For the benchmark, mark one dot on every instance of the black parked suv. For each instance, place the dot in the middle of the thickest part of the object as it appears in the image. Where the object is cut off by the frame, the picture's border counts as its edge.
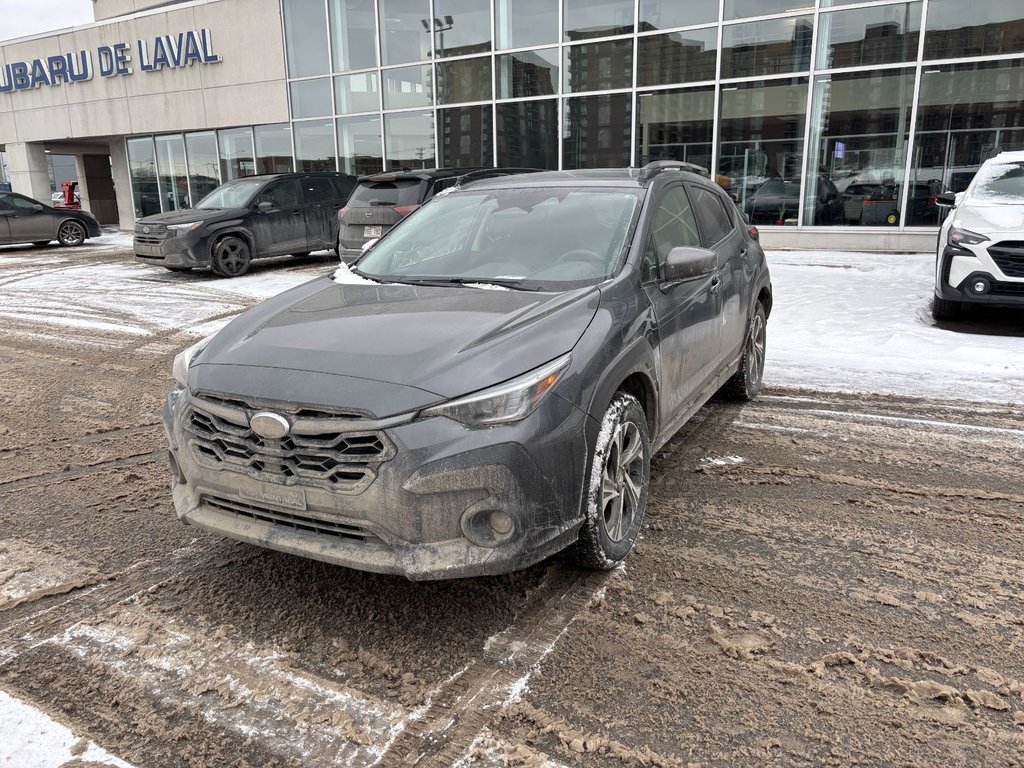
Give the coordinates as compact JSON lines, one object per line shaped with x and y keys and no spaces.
{"x":486,"y":386}
{"x":245,"y":219}
{"x":382,"y":200}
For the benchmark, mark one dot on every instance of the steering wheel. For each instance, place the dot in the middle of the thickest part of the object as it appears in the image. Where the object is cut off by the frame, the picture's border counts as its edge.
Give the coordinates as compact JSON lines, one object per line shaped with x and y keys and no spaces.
{"x":581,"y":254}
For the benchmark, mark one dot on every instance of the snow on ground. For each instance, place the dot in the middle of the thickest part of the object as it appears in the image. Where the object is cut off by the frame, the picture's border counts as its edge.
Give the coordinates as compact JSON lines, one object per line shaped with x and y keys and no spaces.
{"x":859,"y":322}
{"x":32,"y":739}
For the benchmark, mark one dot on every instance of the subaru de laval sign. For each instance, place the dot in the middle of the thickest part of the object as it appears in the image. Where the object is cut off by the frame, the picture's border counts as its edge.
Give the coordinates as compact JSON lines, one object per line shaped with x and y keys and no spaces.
{"x":120,"y":59}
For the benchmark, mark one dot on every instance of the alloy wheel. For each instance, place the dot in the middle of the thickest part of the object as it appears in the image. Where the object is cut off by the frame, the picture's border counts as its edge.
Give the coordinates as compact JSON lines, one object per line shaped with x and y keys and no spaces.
{"x":755,"y":348}
{"x":622,"y":480}
{"x":71,"y":233}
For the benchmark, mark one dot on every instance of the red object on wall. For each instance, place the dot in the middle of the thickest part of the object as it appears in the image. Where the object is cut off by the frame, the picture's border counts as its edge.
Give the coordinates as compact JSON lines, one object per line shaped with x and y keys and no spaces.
{"x":70,"y":198}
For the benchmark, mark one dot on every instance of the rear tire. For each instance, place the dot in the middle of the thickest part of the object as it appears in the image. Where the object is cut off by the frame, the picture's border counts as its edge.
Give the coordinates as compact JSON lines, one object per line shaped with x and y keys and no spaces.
{"x":943,"y":309}
{"x":746,"y":382}
{"x":231,"y":257}
{"x":617,"y":490}
{"x":71,"y":233}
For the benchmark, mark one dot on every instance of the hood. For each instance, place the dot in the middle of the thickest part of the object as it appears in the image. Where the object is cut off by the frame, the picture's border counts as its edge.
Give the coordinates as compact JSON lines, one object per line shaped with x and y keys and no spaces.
{"x":190,"y":215}
{"x":441,"y":342}
{"x":989,"y":219}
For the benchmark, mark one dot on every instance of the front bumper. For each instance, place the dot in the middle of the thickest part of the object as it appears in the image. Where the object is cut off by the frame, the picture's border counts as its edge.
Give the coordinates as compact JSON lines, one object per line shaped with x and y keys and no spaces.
{"x":425,"y":514}
{"x":169,"y":250}
{"x":962,"y":268}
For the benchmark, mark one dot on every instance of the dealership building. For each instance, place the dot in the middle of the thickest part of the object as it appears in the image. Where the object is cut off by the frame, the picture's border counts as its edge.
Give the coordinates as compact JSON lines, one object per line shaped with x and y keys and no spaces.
{"x":833,"y":123}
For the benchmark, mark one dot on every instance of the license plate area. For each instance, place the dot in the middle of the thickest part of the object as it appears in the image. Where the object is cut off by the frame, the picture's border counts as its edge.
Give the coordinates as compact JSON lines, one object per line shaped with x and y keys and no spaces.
{"x":372,"y":231}
{"x":285,"y":496}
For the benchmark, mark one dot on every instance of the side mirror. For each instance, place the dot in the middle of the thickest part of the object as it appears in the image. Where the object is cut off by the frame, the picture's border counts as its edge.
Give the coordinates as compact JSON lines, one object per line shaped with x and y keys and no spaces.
{"x":947,"y":199}
{"x":265,"y":207}
{"x":368,"y":245}
{"x":687,"y":263}
{"x":37,"y":208}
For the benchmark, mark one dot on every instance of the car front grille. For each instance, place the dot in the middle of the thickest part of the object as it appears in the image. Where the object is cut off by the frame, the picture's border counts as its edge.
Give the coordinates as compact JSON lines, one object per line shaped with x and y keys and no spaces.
{"x":323,"y":449}
{"x":293,"y":520}
{"x":150,"y":234}
{"x":1007,"y":289}
{"x":1009,"y":257}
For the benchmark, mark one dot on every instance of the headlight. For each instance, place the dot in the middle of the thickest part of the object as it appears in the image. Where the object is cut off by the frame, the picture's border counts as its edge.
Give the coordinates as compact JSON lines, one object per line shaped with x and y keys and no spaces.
{"x":512,"y":401}
{"x":958,"y":236}
{"x":184,"y":359}
{"x":179,"y":228}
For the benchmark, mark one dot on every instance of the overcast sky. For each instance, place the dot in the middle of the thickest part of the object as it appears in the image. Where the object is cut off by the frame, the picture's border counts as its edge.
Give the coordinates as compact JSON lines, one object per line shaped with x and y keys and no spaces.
{"x":30,"y":17}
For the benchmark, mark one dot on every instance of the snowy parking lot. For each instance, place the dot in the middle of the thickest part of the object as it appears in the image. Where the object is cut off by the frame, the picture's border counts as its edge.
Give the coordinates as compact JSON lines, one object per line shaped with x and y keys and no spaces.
{"x":831,"y":574}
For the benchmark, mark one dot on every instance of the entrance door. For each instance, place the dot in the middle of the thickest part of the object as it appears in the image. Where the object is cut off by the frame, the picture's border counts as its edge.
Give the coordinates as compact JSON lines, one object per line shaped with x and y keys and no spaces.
{"x":282,"y":229}
{"x":688,"y":313}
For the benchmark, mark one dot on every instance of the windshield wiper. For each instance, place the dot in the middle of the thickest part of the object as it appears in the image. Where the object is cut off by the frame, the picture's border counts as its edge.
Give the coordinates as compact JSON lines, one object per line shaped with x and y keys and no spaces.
{"x":504,"y":282}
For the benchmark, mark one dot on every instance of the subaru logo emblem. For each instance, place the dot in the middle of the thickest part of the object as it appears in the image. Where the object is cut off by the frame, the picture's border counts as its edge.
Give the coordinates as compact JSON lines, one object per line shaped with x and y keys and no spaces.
{"x":368,"y":214}
{"x":269,"y":425}
{"x":145,"y":230}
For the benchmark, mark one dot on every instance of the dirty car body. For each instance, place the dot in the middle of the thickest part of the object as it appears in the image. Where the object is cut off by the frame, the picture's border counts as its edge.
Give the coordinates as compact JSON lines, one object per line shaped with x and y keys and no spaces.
{"x":436,"y":411}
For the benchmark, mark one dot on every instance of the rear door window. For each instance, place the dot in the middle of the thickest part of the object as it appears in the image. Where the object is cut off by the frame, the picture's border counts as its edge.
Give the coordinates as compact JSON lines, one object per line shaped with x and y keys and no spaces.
{"x":715,"y":222}
{"x":393,"y":192}
{"x":280,"y":194}
{"x":318,"y":189}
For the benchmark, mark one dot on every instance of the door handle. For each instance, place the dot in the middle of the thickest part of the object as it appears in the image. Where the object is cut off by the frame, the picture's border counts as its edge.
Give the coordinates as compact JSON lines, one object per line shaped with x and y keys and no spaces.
{"x":296,"y":213}
{"x":716,"y":284}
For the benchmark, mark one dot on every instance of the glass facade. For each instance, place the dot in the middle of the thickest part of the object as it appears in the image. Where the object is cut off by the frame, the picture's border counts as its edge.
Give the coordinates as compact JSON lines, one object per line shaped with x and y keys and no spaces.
{"x":811,"y":113}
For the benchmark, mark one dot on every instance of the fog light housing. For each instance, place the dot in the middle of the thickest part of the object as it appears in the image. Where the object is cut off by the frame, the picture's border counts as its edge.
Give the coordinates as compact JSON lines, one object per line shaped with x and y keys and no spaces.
{"x":979,"y":286}
{"x":487,"y":527}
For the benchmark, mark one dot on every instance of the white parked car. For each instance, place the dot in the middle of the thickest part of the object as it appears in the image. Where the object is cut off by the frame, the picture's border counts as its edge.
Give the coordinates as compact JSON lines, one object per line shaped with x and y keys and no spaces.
{"x":980,"y":258}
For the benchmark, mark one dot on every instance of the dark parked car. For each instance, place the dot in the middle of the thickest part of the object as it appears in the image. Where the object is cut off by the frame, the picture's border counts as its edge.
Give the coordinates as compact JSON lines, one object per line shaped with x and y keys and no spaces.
{"x":24,"y":220}
{"x":380,"y":201}
{"x":882,"y":205}
{"x":777,"y":201}
{"x":245,"y":219}
{"x":486,"y":386}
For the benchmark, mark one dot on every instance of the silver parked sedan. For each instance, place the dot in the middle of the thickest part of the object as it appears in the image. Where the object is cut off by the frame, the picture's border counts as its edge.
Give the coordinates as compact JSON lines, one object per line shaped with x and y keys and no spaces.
{"x":24,"y":220}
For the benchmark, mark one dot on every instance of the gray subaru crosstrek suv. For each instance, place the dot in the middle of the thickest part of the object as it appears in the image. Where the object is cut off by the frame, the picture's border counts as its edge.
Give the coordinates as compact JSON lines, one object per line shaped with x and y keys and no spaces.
{"x":486,"y":386}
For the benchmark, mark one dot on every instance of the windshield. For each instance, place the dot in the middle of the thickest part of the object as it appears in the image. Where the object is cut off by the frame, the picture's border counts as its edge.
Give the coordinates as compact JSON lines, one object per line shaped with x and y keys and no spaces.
{"x":539,"y":238}
{"x":999,"y":182}
{"x":234,"y":194}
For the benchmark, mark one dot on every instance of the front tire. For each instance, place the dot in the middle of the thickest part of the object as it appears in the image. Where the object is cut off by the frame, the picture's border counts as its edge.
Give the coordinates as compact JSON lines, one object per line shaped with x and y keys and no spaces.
{"x":71,"y":234}
{"x":231,"y":257}
{"x":617,"y":492}
{"x":746,"y":382}
{"x":943,"y":309}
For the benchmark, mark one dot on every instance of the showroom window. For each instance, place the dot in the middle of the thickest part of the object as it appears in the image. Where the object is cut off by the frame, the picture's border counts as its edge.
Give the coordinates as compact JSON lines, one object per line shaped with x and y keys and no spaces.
{"x":678,"y":57}
{"x":527,"y":134}
{"x":767,"y":47}
{"x":525,"y":23}
{"x":173,"y":175}
{"x":961,"y":28}
{"x":409,"y":140}
{"x":405,"y":31}
{"x":461,"y":27}
{"x":356,"y":93}
{"x":741,"y":9}
{"x":676,"y":125}
{"x":273,"y":148}
{"x":407,"y":87}
{"x":353,"y":34}
{"x":527,"y":73}
{"x":599,"y":66}
{"x":597,"y":131}
{"x":966,"y":114}
{"x":305,"y":37}
{"x":760,"y":149}
{"x":464,"y":80}
{"x":465,"y":134}
{"x":314,"y":145}
{"x":203,"y":164}
{"x":863,"y":36}
{"x":142,"y":167}
{"x":236,"y":153}
{"x":665,"y":14}
{"x":311,"y":98}
{"x":360,"y":145}
{"x":604,"y":18}
{"x":860,"y":129}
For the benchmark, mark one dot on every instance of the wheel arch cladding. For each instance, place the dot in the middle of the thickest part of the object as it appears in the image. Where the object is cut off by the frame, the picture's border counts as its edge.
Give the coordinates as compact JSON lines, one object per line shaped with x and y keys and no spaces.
{"x":764,"y":297}
{"x":639,"y":385}
{"x":241,"y":234}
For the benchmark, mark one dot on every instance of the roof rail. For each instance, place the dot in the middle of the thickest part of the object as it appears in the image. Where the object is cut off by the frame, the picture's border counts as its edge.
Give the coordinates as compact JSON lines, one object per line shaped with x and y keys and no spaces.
{"x":652,"y":169}
{"x":486,"y":173}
